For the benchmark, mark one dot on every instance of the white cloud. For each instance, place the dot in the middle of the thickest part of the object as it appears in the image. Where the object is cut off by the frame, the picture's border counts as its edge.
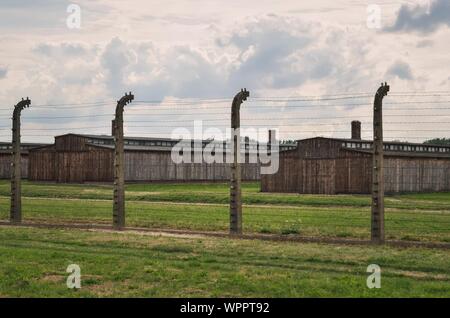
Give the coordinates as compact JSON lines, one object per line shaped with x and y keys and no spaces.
{"x":3,"y":71}
{"x":208,"y":51}
{"x":424,"y":43}
{"x":115,"y":60}
{"x":65,"y":49}
{"x":261,"y":53}
{"x":400,"y":69}
{"x":270,"y":52}
{"x":424,"y":19}
{"x":23,"y":14}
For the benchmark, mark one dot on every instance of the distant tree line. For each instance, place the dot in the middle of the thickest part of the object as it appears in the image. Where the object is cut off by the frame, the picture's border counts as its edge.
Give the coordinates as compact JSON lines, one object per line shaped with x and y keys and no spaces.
{"x":438,"y":141}
{"x":434,"y":141}
{"x":287,"y":141}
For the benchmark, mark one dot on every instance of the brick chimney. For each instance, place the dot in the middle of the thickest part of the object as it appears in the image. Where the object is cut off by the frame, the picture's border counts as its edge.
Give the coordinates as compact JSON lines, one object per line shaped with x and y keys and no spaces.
{"x":356,"y":130}
{"x":113,"y":127}
{"x":272,"y":137}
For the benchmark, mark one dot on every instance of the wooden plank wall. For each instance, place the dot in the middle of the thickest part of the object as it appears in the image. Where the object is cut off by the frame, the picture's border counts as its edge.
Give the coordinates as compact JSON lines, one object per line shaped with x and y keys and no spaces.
{"x":314,"y":176}
{"x":99,"y":164}
{"x":417,"y":175}
{"x":5,"y":166}
{"x":354,"y":175}
{"x":42,"y":166}
{"x":71,"y":166}
{"x":286,"y":178}
{"x":401,"y":175}
{"x":318,"y":148}
{"x":70,"y":143}
{"x":158,"y":166}
{"x":96,"y":165}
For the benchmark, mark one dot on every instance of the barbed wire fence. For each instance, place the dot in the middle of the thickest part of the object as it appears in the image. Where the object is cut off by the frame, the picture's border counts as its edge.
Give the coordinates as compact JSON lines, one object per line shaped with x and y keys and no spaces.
{"x":413,"y":117}
{"x":296,"y":118}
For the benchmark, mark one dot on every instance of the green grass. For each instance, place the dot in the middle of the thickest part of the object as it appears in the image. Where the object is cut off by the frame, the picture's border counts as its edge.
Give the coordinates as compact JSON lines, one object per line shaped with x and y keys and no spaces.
{"x":219,"y":193}
{"x":308,"y":221}
{"x":189,"y":207}
{"x":33,"y":263}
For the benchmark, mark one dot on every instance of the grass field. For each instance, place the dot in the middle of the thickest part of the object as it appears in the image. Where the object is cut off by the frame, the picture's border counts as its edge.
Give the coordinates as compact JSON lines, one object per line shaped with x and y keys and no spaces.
{"x":33,"y":263}
{"x":419,"y":217}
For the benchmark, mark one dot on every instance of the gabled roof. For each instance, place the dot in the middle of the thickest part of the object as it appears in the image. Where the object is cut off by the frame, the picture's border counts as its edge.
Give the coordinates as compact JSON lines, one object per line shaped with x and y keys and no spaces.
{"x":414,"y":154}
{"x":24,"y":146}
{"x":370,"y":141}
{"x":336,"y":139}
{"x":109,"y":142}
{"x":109,"y":137}
{"x":443,"y":153}
{"x":133,"y":147}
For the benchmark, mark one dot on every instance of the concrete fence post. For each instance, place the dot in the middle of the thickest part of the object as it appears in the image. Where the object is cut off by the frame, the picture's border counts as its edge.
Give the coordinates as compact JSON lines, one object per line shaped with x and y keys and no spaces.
{"x":119,"y":174}
{"x":377,"y":215}
{"x":235,"y":182}
{"x":16,"y":166}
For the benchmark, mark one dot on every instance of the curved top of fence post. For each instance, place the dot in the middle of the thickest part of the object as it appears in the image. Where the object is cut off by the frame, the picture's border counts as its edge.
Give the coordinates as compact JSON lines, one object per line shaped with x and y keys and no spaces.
{"x":235,"y":107}
{"x":24,"y":103}
{"x":126,"y":99}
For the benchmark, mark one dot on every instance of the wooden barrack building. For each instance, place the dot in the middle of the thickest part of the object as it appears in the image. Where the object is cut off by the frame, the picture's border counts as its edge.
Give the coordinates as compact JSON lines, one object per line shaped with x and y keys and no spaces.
{"x":6,"y":157}
{"x":331,"y":166}
{"x":78,"y":158}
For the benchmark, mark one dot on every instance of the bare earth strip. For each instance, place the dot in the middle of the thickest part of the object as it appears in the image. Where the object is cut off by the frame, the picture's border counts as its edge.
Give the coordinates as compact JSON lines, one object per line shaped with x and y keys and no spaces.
{"x":261,"y":206}
{"x":193,"y":234}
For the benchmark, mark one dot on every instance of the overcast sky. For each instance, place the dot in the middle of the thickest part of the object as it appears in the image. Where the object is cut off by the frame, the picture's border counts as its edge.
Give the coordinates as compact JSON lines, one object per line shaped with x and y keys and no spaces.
{"x":161,"y":49}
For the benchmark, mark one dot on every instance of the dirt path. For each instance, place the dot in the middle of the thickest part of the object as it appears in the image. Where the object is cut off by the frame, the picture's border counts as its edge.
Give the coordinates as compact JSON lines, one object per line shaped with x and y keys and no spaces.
{"x":199,"y":234}
{"x":259,"y":206}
